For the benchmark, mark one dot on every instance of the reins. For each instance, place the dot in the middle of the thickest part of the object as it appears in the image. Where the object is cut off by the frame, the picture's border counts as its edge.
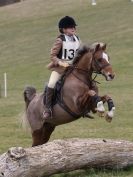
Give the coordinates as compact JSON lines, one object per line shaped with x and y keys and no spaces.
{"x":86,"y":71}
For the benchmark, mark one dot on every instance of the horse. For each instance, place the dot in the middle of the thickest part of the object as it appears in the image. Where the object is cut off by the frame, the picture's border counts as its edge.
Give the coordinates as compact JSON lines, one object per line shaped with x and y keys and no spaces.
{"x":73,"y":98}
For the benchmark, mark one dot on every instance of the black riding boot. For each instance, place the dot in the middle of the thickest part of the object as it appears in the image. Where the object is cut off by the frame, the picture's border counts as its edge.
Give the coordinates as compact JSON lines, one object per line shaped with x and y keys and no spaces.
{"x":48,"y":103}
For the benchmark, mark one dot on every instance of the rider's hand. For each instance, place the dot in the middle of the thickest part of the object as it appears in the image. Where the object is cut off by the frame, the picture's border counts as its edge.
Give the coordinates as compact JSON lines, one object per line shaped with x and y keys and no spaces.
{"x":64,"y":64}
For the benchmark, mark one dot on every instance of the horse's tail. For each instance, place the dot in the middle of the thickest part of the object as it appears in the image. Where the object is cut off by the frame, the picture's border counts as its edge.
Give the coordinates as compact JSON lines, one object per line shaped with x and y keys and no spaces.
{"x":23,"y":121}
{"x":29,"y":94}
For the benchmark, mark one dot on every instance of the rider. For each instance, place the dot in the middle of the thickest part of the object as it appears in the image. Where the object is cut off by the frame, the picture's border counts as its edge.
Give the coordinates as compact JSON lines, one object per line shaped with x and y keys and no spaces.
{"x":62,"y":55}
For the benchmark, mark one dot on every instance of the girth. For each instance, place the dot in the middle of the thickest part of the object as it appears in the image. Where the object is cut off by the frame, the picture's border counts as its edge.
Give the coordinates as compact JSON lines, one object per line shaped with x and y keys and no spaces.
{"x":67,"y":109}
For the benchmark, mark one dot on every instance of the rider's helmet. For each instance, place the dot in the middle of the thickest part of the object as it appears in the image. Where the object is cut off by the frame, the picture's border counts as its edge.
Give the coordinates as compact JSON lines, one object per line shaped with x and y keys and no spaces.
{"x":66,"y":22}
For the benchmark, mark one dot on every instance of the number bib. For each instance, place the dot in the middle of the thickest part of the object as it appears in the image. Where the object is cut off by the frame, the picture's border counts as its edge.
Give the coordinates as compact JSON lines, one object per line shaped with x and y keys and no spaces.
{"x":69,"y":49}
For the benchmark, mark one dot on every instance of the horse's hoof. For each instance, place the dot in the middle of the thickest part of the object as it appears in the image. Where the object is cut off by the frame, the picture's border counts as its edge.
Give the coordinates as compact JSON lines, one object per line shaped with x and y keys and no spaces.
{"x":108,"y":118}
{"x":101,"y":114}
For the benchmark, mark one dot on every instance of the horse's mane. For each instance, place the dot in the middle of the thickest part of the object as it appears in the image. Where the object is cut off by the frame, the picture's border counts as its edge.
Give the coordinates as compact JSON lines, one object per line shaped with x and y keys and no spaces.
{"x":83,"y":49}
{"x":81,"y":52}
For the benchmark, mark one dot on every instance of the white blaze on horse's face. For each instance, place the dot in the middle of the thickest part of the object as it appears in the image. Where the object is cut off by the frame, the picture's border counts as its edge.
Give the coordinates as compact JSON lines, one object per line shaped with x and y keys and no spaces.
{"x":105,"y":56}
{"x":108,"y":74}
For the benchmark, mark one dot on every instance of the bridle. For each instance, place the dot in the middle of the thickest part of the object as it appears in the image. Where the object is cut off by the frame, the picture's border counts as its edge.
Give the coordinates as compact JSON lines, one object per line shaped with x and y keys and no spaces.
{"x":98,"y":67}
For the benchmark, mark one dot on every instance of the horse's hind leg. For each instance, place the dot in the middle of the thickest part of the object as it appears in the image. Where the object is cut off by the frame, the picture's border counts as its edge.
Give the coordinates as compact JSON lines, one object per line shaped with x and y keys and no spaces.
{"x":37,"y":137}
{"x":42,"y":135}
{"x":47,"y":131}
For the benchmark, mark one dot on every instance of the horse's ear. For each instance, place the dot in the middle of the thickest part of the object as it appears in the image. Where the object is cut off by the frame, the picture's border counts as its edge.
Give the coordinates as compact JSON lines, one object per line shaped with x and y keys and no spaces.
{"x":97,"y":47}
{"x":104,"y":47}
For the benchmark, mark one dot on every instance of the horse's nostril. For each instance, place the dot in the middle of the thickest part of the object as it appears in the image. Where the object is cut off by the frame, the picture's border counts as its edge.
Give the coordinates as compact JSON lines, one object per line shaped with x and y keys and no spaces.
{"x":111,"y":76}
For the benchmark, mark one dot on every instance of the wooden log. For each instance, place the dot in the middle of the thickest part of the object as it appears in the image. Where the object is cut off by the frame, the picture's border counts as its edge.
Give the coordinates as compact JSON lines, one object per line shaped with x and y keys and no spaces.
{"x":66,"y":155}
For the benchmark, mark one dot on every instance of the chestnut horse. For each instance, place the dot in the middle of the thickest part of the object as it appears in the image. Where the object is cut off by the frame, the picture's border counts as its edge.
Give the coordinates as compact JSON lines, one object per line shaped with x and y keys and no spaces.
{"x":74,"y":99}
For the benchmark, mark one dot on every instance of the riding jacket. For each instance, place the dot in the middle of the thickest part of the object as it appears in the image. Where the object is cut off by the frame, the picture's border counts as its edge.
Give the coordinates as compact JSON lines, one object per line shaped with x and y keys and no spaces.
{"x":63,"y":49}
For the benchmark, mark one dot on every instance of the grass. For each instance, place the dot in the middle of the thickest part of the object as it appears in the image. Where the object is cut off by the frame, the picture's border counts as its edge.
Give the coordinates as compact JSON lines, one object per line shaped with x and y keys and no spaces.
{"x":97,"y":173}
{"x":27,"y":31}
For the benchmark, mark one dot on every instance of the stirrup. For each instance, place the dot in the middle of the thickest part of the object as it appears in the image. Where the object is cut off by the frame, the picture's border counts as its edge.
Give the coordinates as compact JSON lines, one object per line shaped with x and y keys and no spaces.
{"x":88,"y":115}
{"x":50,"y":114}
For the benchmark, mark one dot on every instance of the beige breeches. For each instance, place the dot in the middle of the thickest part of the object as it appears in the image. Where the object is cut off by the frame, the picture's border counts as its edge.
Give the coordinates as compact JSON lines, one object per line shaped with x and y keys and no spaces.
{"x":55,"y":76}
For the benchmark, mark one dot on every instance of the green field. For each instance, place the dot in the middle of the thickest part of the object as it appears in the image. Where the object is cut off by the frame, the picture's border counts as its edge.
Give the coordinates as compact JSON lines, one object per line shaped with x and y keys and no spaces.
{"x":27,"y":31}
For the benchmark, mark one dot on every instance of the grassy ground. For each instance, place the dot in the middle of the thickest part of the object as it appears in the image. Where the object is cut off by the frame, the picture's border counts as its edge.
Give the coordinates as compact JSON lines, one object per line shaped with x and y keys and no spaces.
{"x":27,"y":31}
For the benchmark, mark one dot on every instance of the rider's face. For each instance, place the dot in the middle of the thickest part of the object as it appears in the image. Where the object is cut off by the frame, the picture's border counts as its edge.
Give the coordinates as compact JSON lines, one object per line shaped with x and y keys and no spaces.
{"x":70,"y":31}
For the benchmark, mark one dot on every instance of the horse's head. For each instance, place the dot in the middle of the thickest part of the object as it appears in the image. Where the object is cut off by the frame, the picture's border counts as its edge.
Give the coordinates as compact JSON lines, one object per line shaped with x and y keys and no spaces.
{"x":100,"y":61}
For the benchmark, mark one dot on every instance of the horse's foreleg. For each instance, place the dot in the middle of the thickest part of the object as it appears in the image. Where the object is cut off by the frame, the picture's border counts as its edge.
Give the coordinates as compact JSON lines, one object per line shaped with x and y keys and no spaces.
{"x":111,"y":107}
{"x":97,"y":103}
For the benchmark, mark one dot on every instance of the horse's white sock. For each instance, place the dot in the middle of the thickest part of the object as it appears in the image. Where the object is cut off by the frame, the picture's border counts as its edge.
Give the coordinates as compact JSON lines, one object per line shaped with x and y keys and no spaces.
{"x":111,"y":112}
{"x":100,"y":107}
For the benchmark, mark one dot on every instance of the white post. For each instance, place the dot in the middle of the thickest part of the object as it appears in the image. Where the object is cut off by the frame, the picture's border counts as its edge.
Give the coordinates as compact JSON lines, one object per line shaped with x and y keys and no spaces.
{"x":5,"y":85}
{"x":93,"y":2}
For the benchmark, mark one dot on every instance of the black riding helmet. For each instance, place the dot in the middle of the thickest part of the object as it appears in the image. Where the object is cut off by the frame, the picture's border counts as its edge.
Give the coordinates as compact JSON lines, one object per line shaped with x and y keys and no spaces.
{"x":67,"y":22}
